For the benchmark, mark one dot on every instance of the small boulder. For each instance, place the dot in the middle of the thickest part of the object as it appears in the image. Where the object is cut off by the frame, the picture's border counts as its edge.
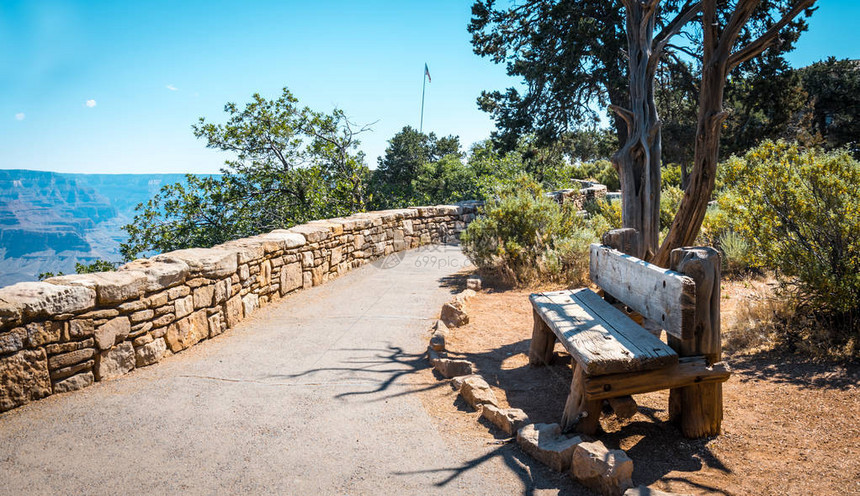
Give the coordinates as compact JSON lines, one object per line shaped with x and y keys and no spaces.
{"x":440,"y":333}
{"x":548,"y":445}
{"x":507,"y":419}
{"x":476,"y":391}
{"x":452,"y":368}
{"x":606,"y":471}
{"x":454,"y":313}
{"x":474,"y":283}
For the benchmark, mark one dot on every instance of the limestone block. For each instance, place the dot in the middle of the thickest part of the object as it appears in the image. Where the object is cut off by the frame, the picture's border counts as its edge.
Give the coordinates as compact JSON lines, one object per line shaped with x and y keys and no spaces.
{"x":64,"y":360}
{"x":336,"y":256}
{"x":474,"y":283}
{"x":71,"y":370}
{"x":141,"y":316}
{"x":13,"y":340}
{"x":31,"y":300}
{"x":407,"y":227}
{"x":449,"y":368}
{"x":222,"y":292}
{"x":307,"y":259}
{"x":110,"y":287}
{"x":233,"y":311}
{"x":112,"y":332}
{"x":244,"y":272}
{"x":606,"y":471}
{"x":40,"y":333}
{"x":150,"y":353}
{"x":81,"y":328}
{"x":250,"y":302}
{"x":438,"y":336}
{"x":23,"y":378}
{"x":142,"y":340}
{"x":454,"y":313}
{"x":178,"y":292}
{"x":291,"y":277}
{"x":65,"y":347}
{"x":307,"y":280}
{"x":163,"y":320}
{"x":202,"y":296}
{"x":318,"y":272}
{"x":188,"y":331}
{"x":115,"y":362}
{"x":74,"y":383}
{"x":247,"y":249}
{"x":475,"y":391}
{"x":214,"y":263}
{"x":265,"y":278}
{"x":216,"y":324}
{"x":289,"y":239}
{"x":313,"y":233}
{"x":184,"y":306}
{"x":358,"y":241}
{"x":546,"y":444}
{"x":159,"y":274}
{"x":508,"y":420}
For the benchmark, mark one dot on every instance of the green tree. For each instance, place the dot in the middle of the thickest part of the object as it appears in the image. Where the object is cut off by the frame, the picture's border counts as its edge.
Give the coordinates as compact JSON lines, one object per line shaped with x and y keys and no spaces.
{"x":393,"y":180}
{"x":833,"y":87}
{"x":288,"y":165}
{"x":446,"y":180}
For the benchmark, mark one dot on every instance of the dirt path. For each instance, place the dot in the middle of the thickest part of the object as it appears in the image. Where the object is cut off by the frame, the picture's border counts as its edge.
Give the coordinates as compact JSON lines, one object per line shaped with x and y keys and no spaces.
{"x":790,"y":427}
{"x":312,"y":395}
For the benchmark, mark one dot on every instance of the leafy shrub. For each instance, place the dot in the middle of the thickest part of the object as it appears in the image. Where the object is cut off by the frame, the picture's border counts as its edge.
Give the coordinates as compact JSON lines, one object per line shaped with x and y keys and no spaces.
{"x":523,"y":236}
{"x":737,"y":252}
{"x":800,"y":212}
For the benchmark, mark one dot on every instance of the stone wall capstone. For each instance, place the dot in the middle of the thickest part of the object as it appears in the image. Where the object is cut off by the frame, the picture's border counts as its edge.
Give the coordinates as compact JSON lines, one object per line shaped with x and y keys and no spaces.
{"x":66,"y":332}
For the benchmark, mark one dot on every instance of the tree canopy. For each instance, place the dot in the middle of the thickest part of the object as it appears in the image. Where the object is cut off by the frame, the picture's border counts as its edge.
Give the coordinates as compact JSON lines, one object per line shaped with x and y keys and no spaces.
{"x":288,"y":165}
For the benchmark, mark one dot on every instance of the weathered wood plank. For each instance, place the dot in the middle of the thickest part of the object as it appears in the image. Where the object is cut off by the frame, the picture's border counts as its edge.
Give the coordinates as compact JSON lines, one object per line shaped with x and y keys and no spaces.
{"x":662,"y":295}
{"x":689,"y":371}
{"x":599,"y":337}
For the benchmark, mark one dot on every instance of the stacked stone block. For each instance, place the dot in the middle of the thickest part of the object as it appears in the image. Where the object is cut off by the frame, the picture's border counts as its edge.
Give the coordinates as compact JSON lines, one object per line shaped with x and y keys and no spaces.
{"x":67,"y":332}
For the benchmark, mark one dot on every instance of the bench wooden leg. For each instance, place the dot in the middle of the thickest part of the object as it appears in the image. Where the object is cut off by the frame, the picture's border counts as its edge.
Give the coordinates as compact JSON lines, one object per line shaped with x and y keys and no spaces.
{"x":580,"y":415}
{"x":543,"y":342}
{"x":698,"y":409}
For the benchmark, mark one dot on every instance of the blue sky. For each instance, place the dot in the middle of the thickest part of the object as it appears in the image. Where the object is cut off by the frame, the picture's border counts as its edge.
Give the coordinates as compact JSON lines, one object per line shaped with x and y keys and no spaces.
{"x":90,"y":86}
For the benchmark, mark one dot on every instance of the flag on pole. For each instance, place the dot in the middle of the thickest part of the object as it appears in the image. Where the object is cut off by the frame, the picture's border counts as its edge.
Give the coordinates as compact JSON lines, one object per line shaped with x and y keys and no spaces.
{"x":427,"y":73}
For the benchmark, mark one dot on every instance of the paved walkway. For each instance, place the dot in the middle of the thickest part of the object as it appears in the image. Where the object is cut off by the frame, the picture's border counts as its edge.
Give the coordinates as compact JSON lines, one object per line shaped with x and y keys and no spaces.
{"x":311,"y":395}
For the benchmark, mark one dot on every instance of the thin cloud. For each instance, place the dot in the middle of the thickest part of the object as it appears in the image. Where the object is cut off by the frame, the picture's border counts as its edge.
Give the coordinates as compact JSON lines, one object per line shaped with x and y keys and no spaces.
{"x":90,"y":103}
{"x":20,"y":116}
{"x":171,"y":87}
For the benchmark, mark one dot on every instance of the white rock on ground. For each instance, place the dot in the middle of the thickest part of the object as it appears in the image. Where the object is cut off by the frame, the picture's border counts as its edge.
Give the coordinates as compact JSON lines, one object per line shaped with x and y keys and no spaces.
{"x":606,"y":471}
{"x":474,"y":283}
{"x":548,"y":445}
{"x":507,"y":419}
{"x":475,"y":391}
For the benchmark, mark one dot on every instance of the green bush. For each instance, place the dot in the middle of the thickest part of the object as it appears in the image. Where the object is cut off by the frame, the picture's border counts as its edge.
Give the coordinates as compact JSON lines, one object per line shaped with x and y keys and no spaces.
{"x":524,"y":237}
{"x":800,"y":212}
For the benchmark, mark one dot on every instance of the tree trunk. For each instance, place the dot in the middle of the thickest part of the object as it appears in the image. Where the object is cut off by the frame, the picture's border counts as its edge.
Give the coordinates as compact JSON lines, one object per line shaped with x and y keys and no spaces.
{"x":694,"y":204}
{"x":638,"y":161}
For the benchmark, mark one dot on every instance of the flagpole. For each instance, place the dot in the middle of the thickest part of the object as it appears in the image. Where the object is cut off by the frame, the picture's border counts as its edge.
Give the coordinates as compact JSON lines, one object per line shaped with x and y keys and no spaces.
{"x":423,"y":88}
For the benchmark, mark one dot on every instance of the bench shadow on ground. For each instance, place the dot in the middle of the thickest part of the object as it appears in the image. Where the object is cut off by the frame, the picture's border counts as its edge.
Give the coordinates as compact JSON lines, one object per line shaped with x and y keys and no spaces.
{"x":658,"y":448}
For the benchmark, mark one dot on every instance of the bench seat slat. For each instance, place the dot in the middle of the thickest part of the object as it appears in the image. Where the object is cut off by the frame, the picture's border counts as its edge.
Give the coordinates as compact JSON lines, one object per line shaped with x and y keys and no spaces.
{"x":598,"y":336}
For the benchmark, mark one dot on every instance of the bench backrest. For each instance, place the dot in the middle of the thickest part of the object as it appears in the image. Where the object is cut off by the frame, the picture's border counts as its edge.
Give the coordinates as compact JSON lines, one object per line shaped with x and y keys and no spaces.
{"x":664,"y":296}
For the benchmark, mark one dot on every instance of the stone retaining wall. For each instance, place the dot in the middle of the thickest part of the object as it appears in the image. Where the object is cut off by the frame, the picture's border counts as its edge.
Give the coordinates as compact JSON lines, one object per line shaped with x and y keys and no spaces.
{"x":66,"y":332}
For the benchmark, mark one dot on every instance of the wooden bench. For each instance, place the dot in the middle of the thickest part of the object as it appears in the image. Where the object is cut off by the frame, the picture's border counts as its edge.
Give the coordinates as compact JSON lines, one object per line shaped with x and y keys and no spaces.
{"x":614,"y":357}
